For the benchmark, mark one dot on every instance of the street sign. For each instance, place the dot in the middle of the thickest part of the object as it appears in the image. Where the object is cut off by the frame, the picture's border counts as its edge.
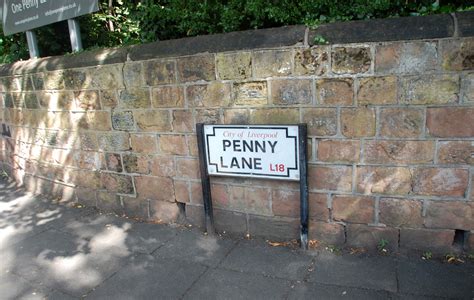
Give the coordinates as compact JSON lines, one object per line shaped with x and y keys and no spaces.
{"x":262,"y":151}
{"x":23,"y":15}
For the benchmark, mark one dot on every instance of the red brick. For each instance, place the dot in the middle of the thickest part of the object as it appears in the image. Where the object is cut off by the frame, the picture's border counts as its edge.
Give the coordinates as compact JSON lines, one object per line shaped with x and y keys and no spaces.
{"x":436,"y":241}
{"x":450,"y":215}
{"x":456,"y":152}
{"x":328,"y":233}
{"x":358,"y":122}
{"x":369,"y":237}
{"x":335,"y":178}
{"x":188,"y":168}
{"x":181,"y":191}
{"x":396,"y":152}
{"x":318,"y":207}
{"x":286,"y":203}
{"x":400,"y":212}
{"x":155,"y":188}
{"x":162,"y":166}
{"x":339,"y":151}
{"x":401,"y":122}
{"x":353,"y":209}
{"x":337,"y":91}
{"x":143,"y":143}
{"x":383,"y":180}
{"x":440,"y":182}
{"x":173,"y":144}
{"x":450,"y":122}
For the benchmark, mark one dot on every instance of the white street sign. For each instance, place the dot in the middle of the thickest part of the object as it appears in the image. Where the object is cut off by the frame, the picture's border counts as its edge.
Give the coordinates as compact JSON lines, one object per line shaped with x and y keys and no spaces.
{"x":263,"y":151}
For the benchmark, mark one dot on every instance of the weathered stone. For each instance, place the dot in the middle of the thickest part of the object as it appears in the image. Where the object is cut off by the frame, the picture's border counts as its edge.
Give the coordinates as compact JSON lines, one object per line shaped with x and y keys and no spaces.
{"x":312,"y":61}
{"x":116,"y":141}
{"x":108,"y":98}
{"x":399,"y":152}
{"x":114,"y":162}
{"x":181,"y":191}
{"x":163,"y":166}
{"x":435,"y":241}
{"x":401,"y":122}
{"x":251,"y":200}
{"x":291,"y":91}
{"x":188,"y":168}
{"x":87,"y":100}
{"x":167,"y":96}
{"x":328,"y":233}
{"x":182,"y":121}
{"x":155,"y":188}
{"x":123,"y":120}
{"x":173,"y":144}
{"x":334,"y":178}
{"x":133,"y":163}
{"x":208,"y":116}
{"x":117,"y":183}
{"x":450,"y":121}
{"x":272,"y":63}
{"x":163,"y":211}
{"x":449,"y":215}
{"x":369,"y":237}
{"x":457,"y":54}
{"x":74,"y":79}
{"x":400,"y":212}
{"x":320,"y":121}
{"x":467,"y":88}
{"x":107,"y":77}
{"x":440,"y":182}
{"x":54,"y":80}
{"x":215,"y":94}
{"x":220,"y":195}
{"x":358,"y":122}
{"x":153,"y":120}
{"x":383,"y":180}
{"x":339,"y":151}
{"x":234,"y":65}
{"x":251,"y":93}
{"x":286,"y":203}
{"x":90,"y":120}
{"x":274,"y":116}
{"x":337,"y":91}
{"x":456,"y":152}
{"x":136,"y":98}
{"x":133,"y":74}
{"x":377,"y":90}
{"x":143,"y":143}
{"x":159,"y":72}
{"x":429,"y":89}
{"x":351,"y":60}
{"x":406,"y":57}
{"x":194,"y":68}
{"x":353,"y":209}
{"x":236,"y":116}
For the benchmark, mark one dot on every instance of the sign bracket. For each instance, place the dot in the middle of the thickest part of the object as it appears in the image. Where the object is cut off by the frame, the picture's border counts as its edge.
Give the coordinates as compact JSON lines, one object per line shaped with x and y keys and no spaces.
{"x":303,"y":179}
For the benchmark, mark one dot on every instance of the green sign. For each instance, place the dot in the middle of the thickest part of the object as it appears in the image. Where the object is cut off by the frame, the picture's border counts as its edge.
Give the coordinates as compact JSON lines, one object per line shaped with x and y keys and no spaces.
{"x":23,"y":15}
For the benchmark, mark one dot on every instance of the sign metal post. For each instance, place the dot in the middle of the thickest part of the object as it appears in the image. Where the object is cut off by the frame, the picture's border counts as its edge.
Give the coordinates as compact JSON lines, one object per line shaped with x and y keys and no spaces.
{"x":75,"y":35}
{"x":255,"y":151}
{"x":32,"y":44}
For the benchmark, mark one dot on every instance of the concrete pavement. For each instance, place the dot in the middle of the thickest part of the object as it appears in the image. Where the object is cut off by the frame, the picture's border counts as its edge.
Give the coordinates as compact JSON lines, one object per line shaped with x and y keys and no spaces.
{"x":59,"y":252}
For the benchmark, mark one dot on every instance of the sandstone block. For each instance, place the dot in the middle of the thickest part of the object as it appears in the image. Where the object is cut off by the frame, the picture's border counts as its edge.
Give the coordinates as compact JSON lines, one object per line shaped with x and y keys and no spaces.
{"x":396,"y":152}
{"x":347,"y":151}
{"x":429,"y":89}
{"x":369,"y":237}
{"x":437,"y":241}
{"x":173,"y":144}
{"x":216,"y":94}
{"x":123,"y":120}
{"x":143,"y":143}
{"x":377,"y":90}
{"x":136,"y":98}
{"x":122,"y":184}
{"x":163,"y":166}
{"x":383,"y":180}
{"x":274,"y":116}
{"x":234,"y":65}
{"x":159,"y":72}
{"x":351,"y":60}
{"x":188,"y":168}
{"x":153,"y":120}
{"x":450,"y":215}
{"x":114,"y":162}
{"x":286,"y":203}
{"x":236,"y":116}
{"x":328,"y":233}
{"x":450,"y":121}
{"x":181,"y":191}
{"x":208,"y":116}
{"x":337,"y":91}
{"x":182,"y":121}
{"x":108,"y":98}
{"x":467,"y":88}
{"x":456,"y":55}
{"x":167,"y":96}
{"x":401,"y":122}
{"x":440,"y":181}
{"x":291,"y":91}
{"x":456,"y":152}
{"x":334,"y":178}
{"x":87,"y":100}
{"x":320,"y":121}
{"x":194,"y":68}
{"x":312,"y":61}
{"x":353,"y":209}
{"x":400,"y":212}
{"x":155,"y":188}
{"x":272,"y":63}
{"x":133,"y":74}
{"x":358,"y":122}
{"x":251,"y":93}
{"x":117,"y":141}
{"x":133,"y":163}
{"x":164,"y":211}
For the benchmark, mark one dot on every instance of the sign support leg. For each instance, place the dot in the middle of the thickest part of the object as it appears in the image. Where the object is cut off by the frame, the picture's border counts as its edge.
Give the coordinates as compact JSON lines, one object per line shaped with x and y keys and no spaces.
{"x":205,"y":181}
{"x":32,"y":44}
{"x":75,"y":35}
{"x":304,"y":207}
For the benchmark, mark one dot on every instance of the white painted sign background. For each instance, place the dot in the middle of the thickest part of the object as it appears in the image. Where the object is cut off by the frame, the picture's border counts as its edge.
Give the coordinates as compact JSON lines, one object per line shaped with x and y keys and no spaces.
{"x":263,"y":151}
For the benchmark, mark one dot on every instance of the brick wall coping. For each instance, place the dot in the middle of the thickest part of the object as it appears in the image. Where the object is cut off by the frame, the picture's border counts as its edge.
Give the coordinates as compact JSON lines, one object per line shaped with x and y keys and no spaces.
{"x":378,"y":30}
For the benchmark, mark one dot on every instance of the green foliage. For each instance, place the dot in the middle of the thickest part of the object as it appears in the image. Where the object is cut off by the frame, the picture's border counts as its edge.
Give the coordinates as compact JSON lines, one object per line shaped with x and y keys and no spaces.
{"x":120,"y":22}
{"x":427,"y":255}
{"x":382,"y":246}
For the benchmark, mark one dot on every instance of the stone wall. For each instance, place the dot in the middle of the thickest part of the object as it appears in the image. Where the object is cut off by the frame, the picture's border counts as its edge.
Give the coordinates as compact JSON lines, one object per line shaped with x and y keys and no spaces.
{"x":390,"y":116}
